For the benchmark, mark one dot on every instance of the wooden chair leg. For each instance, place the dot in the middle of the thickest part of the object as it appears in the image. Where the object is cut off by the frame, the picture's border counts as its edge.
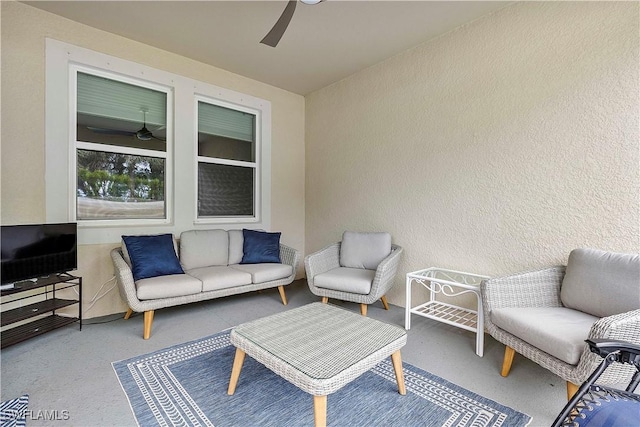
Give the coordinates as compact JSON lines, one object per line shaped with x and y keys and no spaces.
{"x":571,"y":389}
{"x":508,"y":360}
{"x":128,"y":314}
{"x":148,"y":321}
{"x":283,"y":296}
{"x":325,"y":300}
{"x":363,"y":309}
{"x":383,"y":298}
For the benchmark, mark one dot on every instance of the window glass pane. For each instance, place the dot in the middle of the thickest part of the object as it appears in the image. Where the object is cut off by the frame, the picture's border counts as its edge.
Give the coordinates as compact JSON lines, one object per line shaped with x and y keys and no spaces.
{"x":225,"y":190}
{"x":119,"y":186}
{"x":225,"y":133}
{"x":116,"y":113}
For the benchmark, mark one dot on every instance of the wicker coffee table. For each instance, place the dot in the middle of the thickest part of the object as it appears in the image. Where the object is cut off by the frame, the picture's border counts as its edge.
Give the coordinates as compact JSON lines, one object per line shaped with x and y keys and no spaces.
{"x":319,"y":348}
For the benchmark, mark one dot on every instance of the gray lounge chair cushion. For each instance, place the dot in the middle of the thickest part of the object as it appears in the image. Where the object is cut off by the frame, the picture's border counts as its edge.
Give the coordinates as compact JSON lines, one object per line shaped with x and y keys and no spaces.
{"x":601,"y":283}
{"x":558,"y":331}
{"x":220,"y":277}
{"x":346,"y":279}
{"x":364,"y":250}
{"x":265,"y":272}
{"x":202,"y":248}
{"x":174,"y":285}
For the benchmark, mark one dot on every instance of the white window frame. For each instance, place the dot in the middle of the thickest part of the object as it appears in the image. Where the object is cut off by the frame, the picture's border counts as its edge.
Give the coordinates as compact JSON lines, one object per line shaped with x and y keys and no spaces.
{"x":60,"y":57}
{"x":218,"y":161}
{"x":75,"y":145}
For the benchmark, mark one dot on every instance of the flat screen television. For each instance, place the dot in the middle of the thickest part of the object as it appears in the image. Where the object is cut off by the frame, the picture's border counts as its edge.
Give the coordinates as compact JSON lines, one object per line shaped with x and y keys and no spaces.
{"x":37,"y":250}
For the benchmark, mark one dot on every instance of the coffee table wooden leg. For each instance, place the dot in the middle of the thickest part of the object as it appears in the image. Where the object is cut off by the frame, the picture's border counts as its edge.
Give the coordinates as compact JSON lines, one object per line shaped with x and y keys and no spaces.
{"x":320,"y":411}
{"x":397,"y":367}
{"x":235,"y":371}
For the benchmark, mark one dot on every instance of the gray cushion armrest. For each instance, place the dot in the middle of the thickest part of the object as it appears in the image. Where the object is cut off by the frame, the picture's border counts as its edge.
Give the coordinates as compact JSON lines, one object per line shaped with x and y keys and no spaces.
{"x":322,"y":261}
{"x":386,"y":272}
{"x":540,"y":288}
{"x":290,"y":256}
{"x":124,"y":277}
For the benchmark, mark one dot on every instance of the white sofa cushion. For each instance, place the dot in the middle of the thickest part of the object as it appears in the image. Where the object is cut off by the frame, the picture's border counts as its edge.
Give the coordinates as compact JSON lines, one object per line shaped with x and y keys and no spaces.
{"x":173,"y":285}
{"x":265,"y":272}
{"x":236,"y":245}
{"x":364,"y":250}
{"x":220,"y":277}
{"x":346,"y":279}
{"x":204,"y":248}
{"x":601,"y":283}
{"x":559,"y":331}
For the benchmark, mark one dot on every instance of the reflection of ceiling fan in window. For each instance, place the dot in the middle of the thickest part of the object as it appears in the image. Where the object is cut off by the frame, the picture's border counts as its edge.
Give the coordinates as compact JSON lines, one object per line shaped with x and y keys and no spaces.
{"x":143,"y":134}
{"x":274,"y":36}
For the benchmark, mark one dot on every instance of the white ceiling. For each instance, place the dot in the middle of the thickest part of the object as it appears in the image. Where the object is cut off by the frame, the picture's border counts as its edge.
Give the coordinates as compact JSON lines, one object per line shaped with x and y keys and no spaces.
{"x":324,"y":43}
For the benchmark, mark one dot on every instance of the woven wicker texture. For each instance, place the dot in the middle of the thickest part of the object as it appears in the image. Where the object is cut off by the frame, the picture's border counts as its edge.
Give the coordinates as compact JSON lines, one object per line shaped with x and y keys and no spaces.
{"x":127,"y":286}
{"x":542,"y":289}
{"x":329,"y":258}
{"x":318,"y":347}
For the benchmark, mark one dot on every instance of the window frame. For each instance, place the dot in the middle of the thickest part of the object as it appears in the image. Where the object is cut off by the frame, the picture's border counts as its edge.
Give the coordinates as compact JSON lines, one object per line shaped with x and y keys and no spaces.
{"x":75,"y":145}
{"x":256,"y":165}
{"x":59,"y":57}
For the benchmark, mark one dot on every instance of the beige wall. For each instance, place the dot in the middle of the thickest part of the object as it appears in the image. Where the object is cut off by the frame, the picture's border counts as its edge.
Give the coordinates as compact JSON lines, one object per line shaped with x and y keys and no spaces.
{"x":24,"y":29}
{"x":495,"y":148}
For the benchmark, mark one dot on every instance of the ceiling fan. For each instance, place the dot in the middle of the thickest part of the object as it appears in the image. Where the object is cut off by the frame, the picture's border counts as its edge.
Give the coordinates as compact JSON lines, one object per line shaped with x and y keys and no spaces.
{"x":274,"y":36}
{"x":143,"y":134}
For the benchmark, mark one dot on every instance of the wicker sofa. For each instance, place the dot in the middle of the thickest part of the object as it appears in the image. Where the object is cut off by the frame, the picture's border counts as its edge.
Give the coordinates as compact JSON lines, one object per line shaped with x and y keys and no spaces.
{"x":212,"y":261}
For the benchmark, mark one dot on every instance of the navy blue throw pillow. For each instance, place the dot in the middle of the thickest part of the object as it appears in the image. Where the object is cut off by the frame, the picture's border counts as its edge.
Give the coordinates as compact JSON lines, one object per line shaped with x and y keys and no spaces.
{"x":152,"y":256}
{"x":260,"y":246}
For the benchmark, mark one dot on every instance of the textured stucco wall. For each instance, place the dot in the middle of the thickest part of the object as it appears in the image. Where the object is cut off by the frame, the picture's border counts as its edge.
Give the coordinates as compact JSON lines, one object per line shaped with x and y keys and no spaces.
{"x":24,"y":29}
{"x":495,"y":148}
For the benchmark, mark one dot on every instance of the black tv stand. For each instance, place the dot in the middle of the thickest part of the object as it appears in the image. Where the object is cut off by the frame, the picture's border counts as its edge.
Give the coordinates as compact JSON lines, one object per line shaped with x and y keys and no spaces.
{"x":42,"y":310}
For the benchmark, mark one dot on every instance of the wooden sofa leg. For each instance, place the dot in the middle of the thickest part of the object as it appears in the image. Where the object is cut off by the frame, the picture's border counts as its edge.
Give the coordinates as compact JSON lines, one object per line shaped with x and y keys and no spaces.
{"x":571,"y":389}
{"x":148,"y":321}
{"x":325,"y":300}
{"x":283,"y":296}
{"x":383,"y":298}
{"x":508,"y":360}
{"x":363,"y":309}
{"x":128,"y":314}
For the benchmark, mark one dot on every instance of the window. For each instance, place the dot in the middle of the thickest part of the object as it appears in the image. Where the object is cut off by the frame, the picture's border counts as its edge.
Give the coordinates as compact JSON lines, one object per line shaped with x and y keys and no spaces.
{"x":121,"y":153}
{"x":227,"y":164}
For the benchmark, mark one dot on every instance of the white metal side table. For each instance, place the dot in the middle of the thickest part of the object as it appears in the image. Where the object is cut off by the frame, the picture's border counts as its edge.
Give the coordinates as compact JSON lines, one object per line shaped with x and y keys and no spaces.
{"x":450,"y":283}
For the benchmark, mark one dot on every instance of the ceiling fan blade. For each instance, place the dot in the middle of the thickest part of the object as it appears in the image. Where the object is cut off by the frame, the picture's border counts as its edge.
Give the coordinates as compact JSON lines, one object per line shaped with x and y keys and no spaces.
{"x":274,"y":36}
{"x":110,"y":131}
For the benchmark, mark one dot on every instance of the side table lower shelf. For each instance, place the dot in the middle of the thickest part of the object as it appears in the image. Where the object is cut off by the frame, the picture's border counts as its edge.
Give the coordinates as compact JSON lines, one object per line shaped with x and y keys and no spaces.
{"x":35,"y":328}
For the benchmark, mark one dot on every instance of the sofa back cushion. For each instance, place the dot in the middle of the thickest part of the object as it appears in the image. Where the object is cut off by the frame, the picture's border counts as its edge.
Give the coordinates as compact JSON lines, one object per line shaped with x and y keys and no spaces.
{"x":364,"y":250}
{"x":601,"y":283}
{"x":204,"y":248}
{"x":236,"y":244}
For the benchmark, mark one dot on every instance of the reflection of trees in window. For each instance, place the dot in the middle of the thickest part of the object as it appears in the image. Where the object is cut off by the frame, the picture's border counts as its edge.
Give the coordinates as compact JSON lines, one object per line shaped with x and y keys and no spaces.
{"x":120,"y":177}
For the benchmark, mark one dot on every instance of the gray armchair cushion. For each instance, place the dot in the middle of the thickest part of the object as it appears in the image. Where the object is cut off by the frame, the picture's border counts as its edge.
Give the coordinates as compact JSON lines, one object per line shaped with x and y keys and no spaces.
{"x":346,"y":279}
{"x":203,"y":248}
{"x":601,"y":283}
{"x":558,"y":331}
{"x":364,"y":250}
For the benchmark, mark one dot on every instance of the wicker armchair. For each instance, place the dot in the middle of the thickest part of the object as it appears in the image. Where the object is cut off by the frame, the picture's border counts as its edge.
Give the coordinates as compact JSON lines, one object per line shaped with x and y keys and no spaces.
{"x":329,"y":262}
{"x":547,"y":299}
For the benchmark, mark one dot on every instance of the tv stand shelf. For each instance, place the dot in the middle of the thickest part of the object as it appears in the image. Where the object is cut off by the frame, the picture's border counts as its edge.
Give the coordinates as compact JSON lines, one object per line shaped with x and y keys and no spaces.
{"x":43,"y":311}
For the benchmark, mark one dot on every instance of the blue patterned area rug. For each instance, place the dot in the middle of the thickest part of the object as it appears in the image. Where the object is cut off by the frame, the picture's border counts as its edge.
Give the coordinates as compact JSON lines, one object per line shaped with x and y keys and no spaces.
{"x":186,"y":385}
